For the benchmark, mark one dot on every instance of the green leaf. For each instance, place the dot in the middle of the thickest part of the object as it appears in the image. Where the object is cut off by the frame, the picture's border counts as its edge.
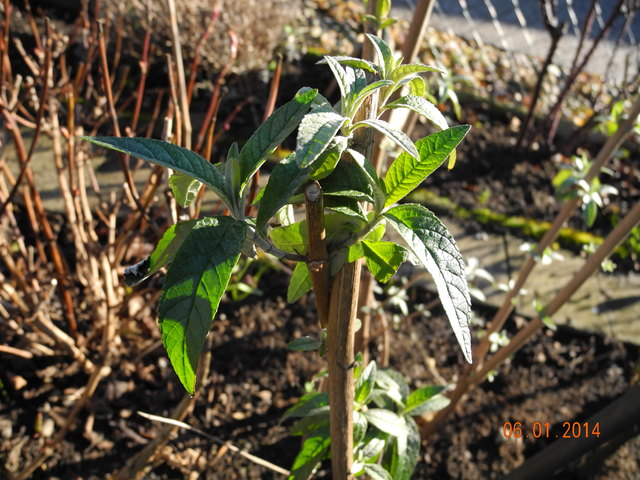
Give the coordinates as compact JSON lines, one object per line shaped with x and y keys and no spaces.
{"x":362,"y":94}
{"x":317,"y":130}
{"x":344,"y":76}
{"x":326,"y":163}
{"x":391,"y":380}
{"x":376,"y":472}
{"x":376,"y":185}
{"x":360,"y":425}
{"x":403,"y":71}
{"x":284,"y":180}
{"x":365,"y":382}
{"x":426,"y":399}
{"x":399,"y":137}
{"x":272,"y":132}
{"x":304,"y":344}
{"x":168,"y":155}
{"x":421,"y":107}
{"x":197,"y":279}
{"x":353,"y":63}
{"x":589,"y":212}
{"x":306,"y":425}
{"x":383,"y":259}
{"x":344,"y":205}
{"x":386,"y":421}
{"x":385,"y":56}
{"x":417,"y":86}
{"x":430,"y":241}
{"x":292,"y":238}
{"x":231,"y":168}
{"x":453,"y":156}
{"x":348,"y":180}
{"x":185,"y":189}
{"x":340,"y":227}
{"x":382,"y":8}
{"x":405,"y":451}
{"x":300,"y":282}
{"x":359,"y":85}
{"x":370,"y":448}
{"x":453,"y":97}
{"x":308,"y":405}
{"x":314,"y":448}
{"x":161,"y":256}
{"x":407,"y":172}
{"x":355,"y":252}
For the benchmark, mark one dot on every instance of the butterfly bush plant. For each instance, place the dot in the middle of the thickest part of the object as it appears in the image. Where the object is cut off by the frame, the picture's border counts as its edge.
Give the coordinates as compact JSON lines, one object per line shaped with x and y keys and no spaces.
{"x":359,"y":205}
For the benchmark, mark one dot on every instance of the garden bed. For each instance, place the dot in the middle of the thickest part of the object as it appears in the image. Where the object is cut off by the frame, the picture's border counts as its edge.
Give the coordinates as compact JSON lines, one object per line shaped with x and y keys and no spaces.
{"x":558,"y":377}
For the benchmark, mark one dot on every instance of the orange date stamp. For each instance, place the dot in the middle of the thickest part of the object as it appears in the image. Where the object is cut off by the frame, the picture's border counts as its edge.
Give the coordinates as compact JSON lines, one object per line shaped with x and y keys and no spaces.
{"x":546,"y":430}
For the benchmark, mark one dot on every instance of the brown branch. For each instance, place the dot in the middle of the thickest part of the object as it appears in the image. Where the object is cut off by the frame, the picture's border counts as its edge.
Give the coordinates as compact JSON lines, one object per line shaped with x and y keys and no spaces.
{"x":33,"y":202}
{"x":556,"y":31}
{"x":144,"y":69}
{"x":41,"y":108}
{"x":5,"y":62}
{"x":318,"y":258}
{"x":553,"y":119}
{"x":182,"y":88}
{"x":196,"y":53}
{"x":340,"y":358}
{"x":106,"y":81}
{"x":214,"y":103}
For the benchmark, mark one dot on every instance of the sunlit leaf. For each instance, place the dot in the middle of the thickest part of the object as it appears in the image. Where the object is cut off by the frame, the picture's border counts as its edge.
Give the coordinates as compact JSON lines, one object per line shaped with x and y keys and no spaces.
{"x":426,"y":399}
{"x":385,"y":56}
{"x":317,"y":130}
{"x":326,"y":163}
{"x":353,"y":63}
{"x":432,"y":244}
{"x":376,"y":472}
{"x":405,"y":450}
{"x":185,"y":189}
{"x":407,"y":172}
{"x":360,"y":425}
{"x":195,"y":283}
{"x":398,"y":137}
{"x":365,"y":383}
{"x":371,"y":448}
{"x":386,"y":421}
{"x":422,"y":107}
{"x":403,"y":71}
{"x":369,"y":89}
{"x":383,"y":258}
{"x":344,"y":76}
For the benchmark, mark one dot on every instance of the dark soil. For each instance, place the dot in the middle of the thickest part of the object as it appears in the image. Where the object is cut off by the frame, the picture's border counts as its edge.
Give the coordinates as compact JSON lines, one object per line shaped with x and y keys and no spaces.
{"x":558,"y":377}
